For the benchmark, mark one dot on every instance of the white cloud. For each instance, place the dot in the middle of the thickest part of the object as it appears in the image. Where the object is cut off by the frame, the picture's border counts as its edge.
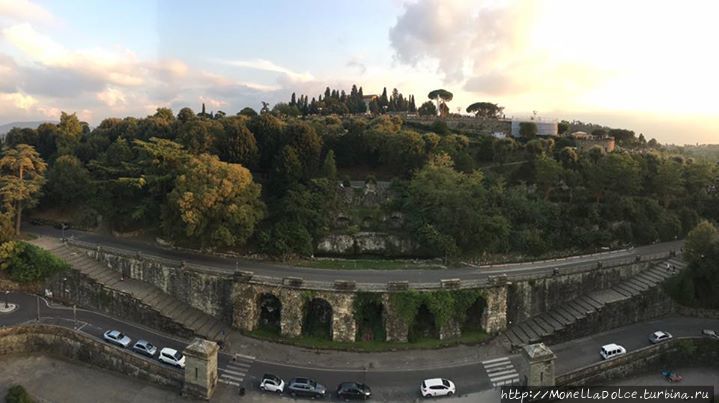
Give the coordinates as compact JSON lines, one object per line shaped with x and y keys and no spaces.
{"x":266,"y":65}
{"x":112,"y":97}
{"x":24,"y":10}
{"x":17,"y":100}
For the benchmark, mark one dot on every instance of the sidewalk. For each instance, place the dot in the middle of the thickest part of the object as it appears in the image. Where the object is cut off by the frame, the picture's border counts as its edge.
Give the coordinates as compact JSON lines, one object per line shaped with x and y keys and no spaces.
{"x":265,"y":351}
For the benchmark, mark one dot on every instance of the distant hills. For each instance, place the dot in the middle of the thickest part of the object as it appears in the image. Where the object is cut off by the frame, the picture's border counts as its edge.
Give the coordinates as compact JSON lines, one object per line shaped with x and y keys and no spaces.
{"x":30,"y":125}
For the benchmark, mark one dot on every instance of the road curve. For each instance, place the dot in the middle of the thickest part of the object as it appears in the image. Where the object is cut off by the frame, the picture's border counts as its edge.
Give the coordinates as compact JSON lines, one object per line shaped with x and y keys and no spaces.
{"x":361,"y":276}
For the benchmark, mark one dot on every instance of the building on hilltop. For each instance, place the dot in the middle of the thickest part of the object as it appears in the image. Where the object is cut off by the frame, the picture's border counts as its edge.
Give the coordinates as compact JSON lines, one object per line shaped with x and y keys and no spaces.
{"x":367,"y":100}
{"x":544,"y":128}
{"x":585,"y":141}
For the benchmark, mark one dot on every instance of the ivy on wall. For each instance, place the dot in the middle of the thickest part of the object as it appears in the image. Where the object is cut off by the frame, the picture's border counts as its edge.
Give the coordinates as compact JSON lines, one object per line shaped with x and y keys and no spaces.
{"x":445,"y":305}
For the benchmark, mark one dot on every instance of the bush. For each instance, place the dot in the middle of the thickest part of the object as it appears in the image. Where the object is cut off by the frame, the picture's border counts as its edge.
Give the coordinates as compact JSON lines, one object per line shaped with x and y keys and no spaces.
{"x":17,"y":394}
{"x":27,"y":263}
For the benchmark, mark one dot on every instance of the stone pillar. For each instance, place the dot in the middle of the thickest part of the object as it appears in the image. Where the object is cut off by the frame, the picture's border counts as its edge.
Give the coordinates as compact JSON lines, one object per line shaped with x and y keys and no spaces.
{"x":494,"y":317}
{"x":344,"y":325}
{"x":245,"y":313}
{"x":396,"y":328}
{"x":200,"y":369}
{"x":293,"y":305}
{"x":539,"y":363}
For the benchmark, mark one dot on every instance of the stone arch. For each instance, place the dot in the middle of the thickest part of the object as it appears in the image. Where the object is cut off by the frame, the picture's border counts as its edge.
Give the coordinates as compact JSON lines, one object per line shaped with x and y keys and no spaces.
{"x":269,"y":307}
{"x":474,"y":315}
{"x":371,"y":321}
{"x":424,"y":325}
{"x":318,"y":319}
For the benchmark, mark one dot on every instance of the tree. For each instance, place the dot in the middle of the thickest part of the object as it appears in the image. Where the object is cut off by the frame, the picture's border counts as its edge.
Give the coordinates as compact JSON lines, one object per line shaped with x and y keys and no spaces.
{"x":68,"y":182}
{"x":440,"y":96}
{"x":427,"y":109}
{"x":17,"y":394}
{"x":700,"y":241}
{"x":486,"y":110}
{"x":303,"y":138}
{"x":213,"y":203}
{"x":247,"y":111}
{"x":70,"y":130}
{"x":22,"y":178}
{"x":236,"y":143}
{"x":282,"y":108}
{"x":528,"y":130}
{"x":329,"y":168}
{"x":185,"y":115}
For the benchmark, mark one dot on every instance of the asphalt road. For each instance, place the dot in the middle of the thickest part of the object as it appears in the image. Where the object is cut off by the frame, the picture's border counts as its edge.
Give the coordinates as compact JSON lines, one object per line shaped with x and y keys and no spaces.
{"x":585,"y":351}
{"x":386,"y":384}
{"x":361,"y":276}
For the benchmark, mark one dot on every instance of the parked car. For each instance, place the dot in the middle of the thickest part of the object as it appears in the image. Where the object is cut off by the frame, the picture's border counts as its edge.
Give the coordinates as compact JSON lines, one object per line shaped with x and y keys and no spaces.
{"x":116,"y":337}
{"x":353,"y":390}
{"x":612,"y":350}
{"x":437,"y":387}
{"x":306,"y":387}
{"x":144,"y":347}
{"x":172,"y":357}
{"x":659,"y":336}
{"x":272,"y":383}
{"x":710,"y":333}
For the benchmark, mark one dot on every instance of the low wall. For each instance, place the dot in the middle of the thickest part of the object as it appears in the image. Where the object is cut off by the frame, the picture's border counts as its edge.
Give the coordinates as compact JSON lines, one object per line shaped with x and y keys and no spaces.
{"x":69,"y":344}
{"x":74,"y":287}
{"x":678,"y":351}
{"x":696,"y":312}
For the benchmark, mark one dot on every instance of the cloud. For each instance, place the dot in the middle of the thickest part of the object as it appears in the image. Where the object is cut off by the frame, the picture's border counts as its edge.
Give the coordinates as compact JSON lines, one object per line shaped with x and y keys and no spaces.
{"x":18,"y":100}
{"x":266,"y":65}
{"x":112,"y":97}
{"x":24,"y":10}
{"x":356,"y":64}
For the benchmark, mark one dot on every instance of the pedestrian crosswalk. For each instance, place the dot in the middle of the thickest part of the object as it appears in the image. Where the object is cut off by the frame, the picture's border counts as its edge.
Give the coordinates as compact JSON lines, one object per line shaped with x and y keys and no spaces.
{"x":233,"y":373}
{"x":501,"y":371}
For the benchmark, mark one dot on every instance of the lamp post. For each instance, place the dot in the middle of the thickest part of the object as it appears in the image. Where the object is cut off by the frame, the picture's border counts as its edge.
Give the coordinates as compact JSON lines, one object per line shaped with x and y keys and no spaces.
{"x":6,"y":304}
{"x":63,"y":227}
{"x":74,"y":316}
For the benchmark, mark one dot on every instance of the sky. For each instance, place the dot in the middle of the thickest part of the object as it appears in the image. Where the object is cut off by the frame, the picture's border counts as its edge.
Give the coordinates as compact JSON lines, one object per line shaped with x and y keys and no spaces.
{"x":646,"y":65}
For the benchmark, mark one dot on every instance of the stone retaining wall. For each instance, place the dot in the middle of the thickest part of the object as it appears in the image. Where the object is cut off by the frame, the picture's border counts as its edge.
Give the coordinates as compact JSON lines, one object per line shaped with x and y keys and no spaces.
{"x":72,"y":286}
{"x":537,"y":295}
{"x":69,"y":344}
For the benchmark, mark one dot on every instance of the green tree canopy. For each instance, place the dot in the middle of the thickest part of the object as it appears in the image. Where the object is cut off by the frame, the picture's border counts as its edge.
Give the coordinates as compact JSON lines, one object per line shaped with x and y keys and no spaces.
{"x":21,"y":180}
{"x":213,"y":203}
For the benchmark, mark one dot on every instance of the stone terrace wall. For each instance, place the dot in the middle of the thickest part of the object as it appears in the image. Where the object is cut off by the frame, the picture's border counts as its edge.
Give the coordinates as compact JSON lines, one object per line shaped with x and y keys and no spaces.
{"x":535,"y":295}
{"x":72,"y":286}
{"x":69,"y":344}
{"x":203,"y":289}
{"x":674,"y":352}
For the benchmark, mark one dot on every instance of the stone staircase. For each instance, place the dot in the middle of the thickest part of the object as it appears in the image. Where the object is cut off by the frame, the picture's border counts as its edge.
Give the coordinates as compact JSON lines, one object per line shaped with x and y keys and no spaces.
{"x":572,"y":316}
{"x":183,"y":315}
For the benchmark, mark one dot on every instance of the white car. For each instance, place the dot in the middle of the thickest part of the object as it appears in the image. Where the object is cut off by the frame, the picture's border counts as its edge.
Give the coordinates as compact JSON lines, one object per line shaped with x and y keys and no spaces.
{"x":437,"y":387}
{"x":116,"y":337}
{"x":272,"y":383}
{"x":612,"y":350}
{"x":659,"y":336}
{"x":172,"y":357}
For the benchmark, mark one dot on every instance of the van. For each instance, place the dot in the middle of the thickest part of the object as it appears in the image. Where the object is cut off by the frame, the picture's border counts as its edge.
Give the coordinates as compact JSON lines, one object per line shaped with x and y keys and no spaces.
{"x":611,"y":350}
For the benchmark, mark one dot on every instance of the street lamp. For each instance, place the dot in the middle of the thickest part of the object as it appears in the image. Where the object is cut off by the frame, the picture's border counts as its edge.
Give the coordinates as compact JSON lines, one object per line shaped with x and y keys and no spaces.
{"x":63,"y":227}
{"x":6,"y":304}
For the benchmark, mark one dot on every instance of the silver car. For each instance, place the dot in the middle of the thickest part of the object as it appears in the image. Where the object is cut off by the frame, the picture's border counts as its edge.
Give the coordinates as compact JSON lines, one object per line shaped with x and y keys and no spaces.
{"x":659,"y":336}
{"x":116,"y":337}
{"x":144,"y":347}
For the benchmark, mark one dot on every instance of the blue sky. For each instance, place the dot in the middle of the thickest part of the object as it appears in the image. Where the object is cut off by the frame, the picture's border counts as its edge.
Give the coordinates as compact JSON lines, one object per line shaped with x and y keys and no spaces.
{"x":607,"y":61}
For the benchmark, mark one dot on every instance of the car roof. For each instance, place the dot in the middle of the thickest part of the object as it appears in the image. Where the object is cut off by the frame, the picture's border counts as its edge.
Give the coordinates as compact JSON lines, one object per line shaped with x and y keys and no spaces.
{"x":270,"y":376}
{"x":433,"y":381}
{"x":114,"y":332}
{"x":659,"y":333}
{"x":300,"y":380}
{"x":143,"y":342}
{"x":611,"y":346}
{"x":169,"y":350}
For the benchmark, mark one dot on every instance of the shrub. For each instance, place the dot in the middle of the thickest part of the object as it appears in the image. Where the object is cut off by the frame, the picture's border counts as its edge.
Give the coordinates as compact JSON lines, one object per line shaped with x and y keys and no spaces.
{"x":27,"y":263}
{"x":17,"y":394}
